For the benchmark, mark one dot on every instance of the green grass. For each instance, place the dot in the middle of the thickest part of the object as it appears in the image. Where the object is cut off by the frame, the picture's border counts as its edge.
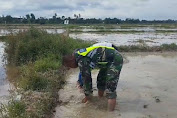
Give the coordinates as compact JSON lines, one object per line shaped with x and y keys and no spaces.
{"x":169,"y":47}
{"x":31,"y":80}
{"x":145,"y":48}
{"x":47,"y":63}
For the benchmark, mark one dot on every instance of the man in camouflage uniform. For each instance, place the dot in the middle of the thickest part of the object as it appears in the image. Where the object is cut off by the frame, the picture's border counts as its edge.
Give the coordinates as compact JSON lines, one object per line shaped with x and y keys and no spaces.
{"x":106,"y":57}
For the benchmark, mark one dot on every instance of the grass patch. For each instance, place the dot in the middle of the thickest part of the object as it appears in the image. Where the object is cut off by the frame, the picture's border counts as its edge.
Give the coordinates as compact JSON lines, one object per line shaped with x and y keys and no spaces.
{"x":31,"y":80}
{"x":47,"y":63}
{"x":145,"y":48}
{"x":169,"y":47}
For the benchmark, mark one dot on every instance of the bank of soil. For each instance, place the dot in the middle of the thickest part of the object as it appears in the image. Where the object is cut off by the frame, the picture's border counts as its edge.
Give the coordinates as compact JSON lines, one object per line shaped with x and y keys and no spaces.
{"x":147,"y":89}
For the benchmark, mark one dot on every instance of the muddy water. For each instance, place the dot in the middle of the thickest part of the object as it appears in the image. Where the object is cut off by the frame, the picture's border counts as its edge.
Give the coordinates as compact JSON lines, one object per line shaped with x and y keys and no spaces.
{"x":147,"y":89}
{"x":4,"y":85}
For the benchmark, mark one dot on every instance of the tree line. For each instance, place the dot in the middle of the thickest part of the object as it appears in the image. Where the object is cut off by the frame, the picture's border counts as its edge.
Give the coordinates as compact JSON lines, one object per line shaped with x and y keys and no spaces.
{"x":31,"y":19}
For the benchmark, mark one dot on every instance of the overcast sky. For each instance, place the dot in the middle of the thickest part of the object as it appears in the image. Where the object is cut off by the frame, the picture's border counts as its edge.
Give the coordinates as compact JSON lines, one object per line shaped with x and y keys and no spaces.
{"x":142,"y":9}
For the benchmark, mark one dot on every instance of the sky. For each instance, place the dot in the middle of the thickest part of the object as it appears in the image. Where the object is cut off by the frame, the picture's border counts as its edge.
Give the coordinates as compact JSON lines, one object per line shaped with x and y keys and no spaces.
{"x":138,"y":9}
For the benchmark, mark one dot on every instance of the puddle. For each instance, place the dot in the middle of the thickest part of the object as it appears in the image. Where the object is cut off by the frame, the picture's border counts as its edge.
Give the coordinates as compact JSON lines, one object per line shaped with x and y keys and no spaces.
{"x":147,"y":89}
{"x":4,"y":84}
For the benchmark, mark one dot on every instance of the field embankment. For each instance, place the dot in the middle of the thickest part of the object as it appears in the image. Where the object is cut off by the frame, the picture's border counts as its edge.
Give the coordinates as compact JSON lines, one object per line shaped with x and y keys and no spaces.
{"x":35,"y":68}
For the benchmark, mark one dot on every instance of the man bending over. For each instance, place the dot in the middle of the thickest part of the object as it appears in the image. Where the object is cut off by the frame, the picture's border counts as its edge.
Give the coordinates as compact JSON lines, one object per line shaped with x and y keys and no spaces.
{"x":104,"y":56}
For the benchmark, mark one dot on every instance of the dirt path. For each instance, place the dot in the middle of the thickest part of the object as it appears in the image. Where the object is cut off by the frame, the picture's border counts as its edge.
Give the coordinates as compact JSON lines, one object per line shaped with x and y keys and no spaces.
{"x":147,"y":89}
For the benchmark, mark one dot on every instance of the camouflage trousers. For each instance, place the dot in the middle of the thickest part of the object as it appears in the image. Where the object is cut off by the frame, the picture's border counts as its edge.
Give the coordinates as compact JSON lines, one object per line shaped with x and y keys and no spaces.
{"x":107,"y":78}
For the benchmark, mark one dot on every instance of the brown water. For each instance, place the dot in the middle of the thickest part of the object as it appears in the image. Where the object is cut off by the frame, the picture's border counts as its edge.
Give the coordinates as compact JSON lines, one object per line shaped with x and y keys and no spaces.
{"x":147,"y":89}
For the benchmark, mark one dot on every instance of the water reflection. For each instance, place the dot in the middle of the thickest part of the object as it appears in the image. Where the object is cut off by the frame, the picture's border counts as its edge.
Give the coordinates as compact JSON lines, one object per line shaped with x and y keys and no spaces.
{"x":4,"y":85}
{"x":2,"y":69}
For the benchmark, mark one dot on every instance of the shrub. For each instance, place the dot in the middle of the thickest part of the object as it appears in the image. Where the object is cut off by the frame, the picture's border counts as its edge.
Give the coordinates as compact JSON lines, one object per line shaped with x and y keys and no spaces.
{"x":31,"y":80}
{"x":32,"y":44}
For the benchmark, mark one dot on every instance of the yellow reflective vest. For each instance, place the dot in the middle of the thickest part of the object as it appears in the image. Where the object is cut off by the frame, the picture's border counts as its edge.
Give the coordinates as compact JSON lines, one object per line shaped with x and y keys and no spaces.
{"x":85,"y":51}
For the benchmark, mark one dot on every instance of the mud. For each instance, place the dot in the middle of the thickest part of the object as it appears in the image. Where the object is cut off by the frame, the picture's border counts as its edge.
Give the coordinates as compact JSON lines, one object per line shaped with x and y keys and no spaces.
{"x":147,"y":89}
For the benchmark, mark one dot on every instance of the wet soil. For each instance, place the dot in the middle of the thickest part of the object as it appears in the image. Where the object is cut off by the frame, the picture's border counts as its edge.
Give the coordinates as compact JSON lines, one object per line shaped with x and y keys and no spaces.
{"x":147,"y":89}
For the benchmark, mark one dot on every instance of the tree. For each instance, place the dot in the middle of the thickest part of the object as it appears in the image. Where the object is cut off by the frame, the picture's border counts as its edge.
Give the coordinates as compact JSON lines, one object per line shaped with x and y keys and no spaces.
{"x":32,"y":19}
{"x":28,"y":18}
{"x":63,"y":17}
{"x":8,"y":19}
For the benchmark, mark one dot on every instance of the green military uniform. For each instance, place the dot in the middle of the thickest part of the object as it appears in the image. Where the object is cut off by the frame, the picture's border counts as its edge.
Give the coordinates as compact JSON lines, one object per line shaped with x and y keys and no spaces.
{"x":105,"y":57}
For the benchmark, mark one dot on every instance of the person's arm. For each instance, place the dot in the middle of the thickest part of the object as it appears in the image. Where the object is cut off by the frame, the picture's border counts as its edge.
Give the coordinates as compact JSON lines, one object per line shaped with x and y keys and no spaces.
{"x":86,"y":76}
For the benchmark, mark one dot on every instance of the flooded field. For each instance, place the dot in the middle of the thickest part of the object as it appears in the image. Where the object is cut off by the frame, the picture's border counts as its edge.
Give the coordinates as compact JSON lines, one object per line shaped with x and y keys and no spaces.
{"x":4,"y":85}
{"x":147,"y":86}
{"x":147,"y":89}
{"x":148,"y":38}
